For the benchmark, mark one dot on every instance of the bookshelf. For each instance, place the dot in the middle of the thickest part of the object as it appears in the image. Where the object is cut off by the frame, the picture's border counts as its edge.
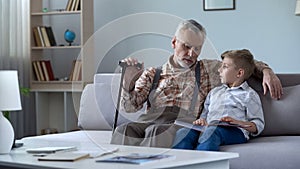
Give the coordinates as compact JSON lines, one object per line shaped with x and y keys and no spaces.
{"x":57,"y":100}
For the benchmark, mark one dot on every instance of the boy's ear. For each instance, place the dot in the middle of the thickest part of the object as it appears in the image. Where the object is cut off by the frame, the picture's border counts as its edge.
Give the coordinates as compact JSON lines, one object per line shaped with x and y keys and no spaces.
{"x":241,"y":73}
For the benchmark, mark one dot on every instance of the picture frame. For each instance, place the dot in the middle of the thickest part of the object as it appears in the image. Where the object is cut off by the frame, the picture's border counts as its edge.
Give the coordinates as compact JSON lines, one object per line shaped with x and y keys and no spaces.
{"x":213,"y":5}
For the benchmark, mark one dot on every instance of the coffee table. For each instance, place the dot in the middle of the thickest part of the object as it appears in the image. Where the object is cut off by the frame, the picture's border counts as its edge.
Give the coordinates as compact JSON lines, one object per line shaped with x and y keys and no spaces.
{"x":19,"y":158}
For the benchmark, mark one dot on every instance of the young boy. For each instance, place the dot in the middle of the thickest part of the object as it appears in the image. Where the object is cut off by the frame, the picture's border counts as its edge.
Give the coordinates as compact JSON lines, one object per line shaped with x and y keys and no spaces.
{"x":233,"y":102}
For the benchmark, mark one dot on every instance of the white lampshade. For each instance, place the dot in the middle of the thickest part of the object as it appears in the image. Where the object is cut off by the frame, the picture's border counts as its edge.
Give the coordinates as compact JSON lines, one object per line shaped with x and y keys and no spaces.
{"x":9,"y":90}
{"x":297,"y":11}
{"x":9,"y":100}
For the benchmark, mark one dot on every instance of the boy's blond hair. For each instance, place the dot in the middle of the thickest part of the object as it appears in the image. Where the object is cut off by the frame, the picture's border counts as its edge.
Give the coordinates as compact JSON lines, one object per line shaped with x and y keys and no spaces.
{"x":242,"y":59}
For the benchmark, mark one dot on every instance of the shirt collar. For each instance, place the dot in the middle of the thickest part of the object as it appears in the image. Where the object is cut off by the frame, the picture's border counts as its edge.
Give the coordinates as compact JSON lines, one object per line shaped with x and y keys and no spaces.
{"x":243,"y":86}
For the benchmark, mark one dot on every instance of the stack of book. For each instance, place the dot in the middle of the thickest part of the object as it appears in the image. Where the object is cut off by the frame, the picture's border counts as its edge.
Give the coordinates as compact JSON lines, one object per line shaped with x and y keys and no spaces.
{"x":43,"y":36}
{"x":43,"y":70}
{"x":73,"y":5}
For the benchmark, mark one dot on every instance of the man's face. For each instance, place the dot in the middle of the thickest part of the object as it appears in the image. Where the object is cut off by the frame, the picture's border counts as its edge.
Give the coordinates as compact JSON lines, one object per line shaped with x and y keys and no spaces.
{"x":187,"y":47}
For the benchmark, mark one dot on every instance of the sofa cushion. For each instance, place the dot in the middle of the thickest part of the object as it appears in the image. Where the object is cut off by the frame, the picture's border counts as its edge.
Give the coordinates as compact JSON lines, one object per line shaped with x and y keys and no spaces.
{"x":98,"y":104}
{"x":90,"y":116}
{"x":282,"y":116}
{"x":277,"y":152}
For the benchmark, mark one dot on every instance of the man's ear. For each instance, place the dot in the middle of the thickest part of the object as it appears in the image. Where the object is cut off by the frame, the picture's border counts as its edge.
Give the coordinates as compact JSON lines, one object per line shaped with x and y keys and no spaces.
{"x":173,"y":42}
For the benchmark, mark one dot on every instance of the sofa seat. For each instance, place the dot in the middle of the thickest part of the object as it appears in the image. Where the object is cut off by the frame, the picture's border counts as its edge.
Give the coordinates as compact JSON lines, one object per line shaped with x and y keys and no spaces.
{"x":274,"y":152}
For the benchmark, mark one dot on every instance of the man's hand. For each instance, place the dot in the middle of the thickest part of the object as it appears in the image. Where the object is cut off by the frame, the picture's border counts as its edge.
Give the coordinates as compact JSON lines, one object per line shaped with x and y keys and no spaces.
{"x":132,"y":73}
{"x":272,"y":83}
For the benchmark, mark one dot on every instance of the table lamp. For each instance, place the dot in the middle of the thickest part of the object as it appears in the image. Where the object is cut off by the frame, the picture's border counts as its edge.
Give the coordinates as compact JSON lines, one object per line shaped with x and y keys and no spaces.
{"x":297,"y":11}
{"x":9,"y":100}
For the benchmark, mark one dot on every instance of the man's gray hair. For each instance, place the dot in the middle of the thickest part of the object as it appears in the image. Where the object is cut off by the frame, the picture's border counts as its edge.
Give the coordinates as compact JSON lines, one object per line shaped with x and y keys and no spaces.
{"x":191,"y":25}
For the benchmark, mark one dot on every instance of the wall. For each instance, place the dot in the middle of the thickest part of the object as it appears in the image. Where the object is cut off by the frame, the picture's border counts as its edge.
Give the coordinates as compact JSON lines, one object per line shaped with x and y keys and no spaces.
{"x":268,"y":28}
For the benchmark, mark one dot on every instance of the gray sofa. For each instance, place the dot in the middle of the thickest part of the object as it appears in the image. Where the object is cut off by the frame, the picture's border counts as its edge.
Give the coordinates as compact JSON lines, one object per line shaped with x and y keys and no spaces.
{"x":277,"y":147}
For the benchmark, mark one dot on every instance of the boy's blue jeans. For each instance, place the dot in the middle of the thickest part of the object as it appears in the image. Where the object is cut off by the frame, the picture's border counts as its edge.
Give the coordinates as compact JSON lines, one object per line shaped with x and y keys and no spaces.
{"x":211,"y":139}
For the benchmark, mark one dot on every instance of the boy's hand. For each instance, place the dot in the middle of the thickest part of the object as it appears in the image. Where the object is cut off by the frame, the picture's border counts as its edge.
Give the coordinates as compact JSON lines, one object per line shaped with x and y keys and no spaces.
{"x":230,"y":120}
{"x":201,"y":122}
{"x":247,"y":125}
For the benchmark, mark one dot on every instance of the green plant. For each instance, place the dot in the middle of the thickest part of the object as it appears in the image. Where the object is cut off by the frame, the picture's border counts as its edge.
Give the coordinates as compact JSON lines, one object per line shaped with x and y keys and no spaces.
{"x":24,"y":91}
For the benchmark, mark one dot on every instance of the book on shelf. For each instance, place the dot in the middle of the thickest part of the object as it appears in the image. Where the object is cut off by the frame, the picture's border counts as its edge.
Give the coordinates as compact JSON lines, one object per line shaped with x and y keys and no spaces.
{"x":36,"y":37}
{"x":72,"y":70}
{"x":137,"y":158}
{"x":49,"y":69}
{"x":79,"y":71}
{"x":73,"y":5}
{"x":77,"y":2}
{"x":40,"y":70}
{"x":40,"y":35}
{"x":36,"y":71}
{"x":43,"y":70}
{"x":79,"y":77}
{"x":78,"y":6}
{"x":69,"y":4}
{"x":76,"y":71}
{"x":51,"y":35}
{"x":45,"y":36}
{"x":202,"y":128}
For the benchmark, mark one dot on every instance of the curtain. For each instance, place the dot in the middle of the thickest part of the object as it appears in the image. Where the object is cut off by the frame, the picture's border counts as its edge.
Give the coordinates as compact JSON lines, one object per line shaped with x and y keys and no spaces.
{"x":14,"y":55}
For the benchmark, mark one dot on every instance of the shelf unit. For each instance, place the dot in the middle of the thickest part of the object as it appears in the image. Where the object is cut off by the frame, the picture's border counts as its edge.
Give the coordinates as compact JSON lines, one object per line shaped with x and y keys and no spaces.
{"x":57,"y":101}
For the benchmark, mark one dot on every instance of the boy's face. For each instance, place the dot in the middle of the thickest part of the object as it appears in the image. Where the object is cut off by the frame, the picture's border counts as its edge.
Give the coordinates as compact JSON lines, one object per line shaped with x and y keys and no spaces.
{"x":229,"y":73}
{"x":187,"y":47}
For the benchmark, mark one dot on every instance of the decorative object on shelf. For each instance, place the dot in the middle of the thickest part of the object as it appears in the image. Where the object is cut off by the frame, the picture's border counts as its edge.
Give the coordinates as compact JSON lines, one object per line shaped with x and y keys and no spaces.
{"x":297,"y":11}
{"x":70,"y":36}
{"x":9,"y":100}
{"x":213,"y":5}
{"x":45,"y":10}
